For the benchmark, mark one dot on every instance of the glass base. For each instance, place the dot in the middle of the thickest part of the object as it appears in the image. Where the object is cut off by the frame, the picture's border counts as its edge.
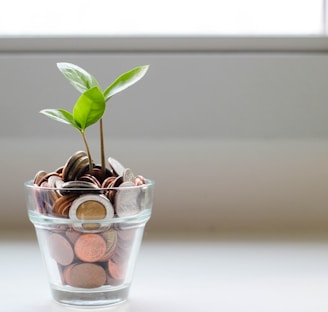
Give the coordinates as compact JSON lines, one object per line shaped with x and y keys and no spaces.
{"x":84,"y":297}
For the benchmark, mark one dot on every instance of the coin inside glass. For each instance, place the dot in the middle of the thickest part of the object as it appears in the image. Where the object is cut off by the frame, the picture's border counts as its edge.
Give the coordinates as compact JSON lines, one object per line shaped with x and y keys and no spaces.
{"x":91,"y":210}
{"x":90,"y":207}
{"x":127,"y":200}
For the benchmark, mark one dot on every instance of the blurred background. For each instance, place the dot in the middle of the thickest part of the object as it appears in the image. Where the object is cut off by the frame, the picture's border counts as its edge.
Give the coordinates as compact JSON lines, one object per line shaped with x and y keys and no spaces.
{"x":230,"y":121}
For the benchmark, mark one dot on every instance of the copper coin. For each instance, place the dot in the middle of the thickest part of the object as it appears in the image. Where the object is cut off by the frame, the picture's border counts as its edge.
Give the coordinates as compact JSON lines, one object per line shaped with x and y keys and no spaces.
{"x":107,"y":182}
{"x":139,"y":180}
{"x":63,"y":204}
{"x":116,"y":270}
{"x":67,"y":273}
{"x":85,"y":275}
{"x":38,"y":179}
{"x":99,"y":173}
{"x":72,"y":235}
{"x":112,"y":281}
{"x":60,"y":249}
{"x":90,"y":178}
{"x":90,"y":247}
{"x":118,"y":181}
{"x":111,"y":193}
{"x":60,"y":170}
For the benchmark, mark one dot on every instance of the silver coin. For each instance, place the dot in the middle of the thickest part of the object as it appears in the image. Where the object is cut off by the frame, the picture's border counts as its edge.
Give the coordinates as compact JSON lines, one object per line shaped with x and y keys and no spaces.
{"x":127,"y":200}
{"x":128,"y":176}
{"x":91,"y":207}
{"x":90,"y":178}
{"x":116,"y":166}
{"x":55,"y":181}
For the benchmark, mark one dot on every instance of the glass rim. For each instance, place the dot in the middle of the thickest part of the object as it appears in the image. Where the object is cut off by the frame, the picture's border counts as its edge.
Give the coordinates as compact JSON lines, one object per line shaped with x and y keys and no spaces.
{"x":42,"y":219}
{"x":30,"y":185}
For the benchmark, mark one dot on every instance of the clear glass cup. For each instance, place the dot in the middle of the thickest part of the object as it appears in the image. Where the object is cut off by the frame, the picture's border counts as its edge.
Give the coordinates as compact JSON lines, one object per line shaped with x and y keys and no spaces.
{"x":90,"y":261}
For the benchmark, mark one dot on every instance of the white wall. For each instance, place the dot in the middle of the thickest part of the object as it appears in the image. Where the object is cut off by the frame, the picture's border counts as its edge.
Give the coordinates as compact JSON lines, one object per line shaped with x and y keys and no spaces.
{"x":234,"y":141}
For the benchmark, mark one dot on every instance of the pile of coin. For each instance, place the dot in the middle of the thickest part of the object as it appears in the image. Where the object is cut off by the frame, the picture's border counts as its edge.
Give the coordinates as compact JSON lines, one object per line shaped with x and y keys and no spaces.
{"x":72,"y":191}
{"x":91,"y":250}
{"x":90,"y":260}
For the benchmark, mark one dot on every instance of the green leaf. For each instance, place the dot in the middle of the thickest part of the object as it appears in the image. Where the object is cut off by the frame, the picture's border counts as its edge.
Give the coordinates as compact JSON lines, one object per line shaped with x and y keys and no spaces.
{"x":77,"y":76}
{"x":60,"y":115}
{"x":125,"y":80}
{"x":89,"y":108}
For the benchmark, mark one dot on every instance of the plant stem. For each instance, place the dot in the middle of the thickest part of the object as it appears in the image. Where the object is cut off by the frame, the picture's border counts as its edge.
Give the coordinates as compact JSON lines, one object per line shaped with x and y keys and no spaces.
{"x":88,"y":152}
{"x":102,"y":149}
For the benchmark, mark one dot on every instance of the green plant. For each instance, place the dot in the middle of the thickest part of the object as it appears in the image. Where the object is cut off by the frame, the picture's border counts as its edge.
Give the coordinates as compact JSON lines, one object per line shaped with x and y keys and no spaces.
{"x":91,"y":105}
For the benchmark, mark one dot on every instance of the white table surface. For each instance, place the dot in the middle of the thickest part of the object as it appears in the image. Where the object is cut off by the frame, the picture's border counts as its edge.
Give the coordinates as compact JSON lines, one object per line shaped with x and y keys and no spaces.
{"x":190,"y":275}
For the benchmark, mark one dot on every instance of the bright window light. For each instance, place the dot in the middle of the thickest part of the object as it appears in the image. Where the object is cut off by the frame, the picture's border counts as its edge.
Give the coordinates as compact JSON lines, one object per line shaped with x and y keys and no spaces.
{"x":169,"y":17}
